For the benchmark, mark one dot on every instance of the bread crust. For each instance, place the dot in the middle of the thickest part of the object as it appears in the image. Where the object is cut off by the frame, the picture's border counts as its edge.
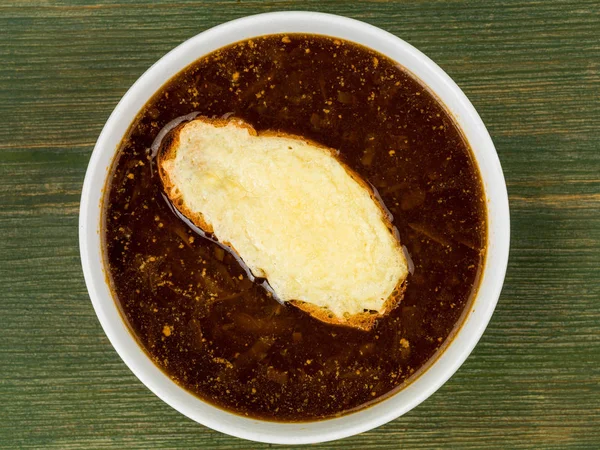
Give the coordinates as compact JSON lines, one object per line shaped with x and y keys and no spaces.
{"x":168,"y":151}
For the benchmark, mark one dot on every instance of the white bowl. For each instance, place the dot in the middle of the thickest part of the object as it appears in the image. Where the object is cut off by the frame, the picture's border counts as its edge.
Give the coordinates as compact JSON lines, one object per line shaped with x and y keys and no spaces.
{"x":498,"y":227}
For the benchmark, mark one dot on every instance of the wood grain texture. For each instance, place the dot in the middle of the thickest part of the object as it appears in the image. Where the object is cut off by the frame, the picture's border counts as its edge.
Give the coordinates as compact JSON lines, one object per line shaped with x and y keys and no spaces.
{"x":531,"y":69}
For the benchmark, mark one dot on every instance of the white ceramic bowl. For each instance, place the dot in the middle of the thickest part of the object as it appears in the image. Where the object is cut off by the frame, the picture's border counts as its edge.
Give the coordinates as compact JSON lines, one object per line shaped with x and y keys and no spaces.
{"x":498,"y":223}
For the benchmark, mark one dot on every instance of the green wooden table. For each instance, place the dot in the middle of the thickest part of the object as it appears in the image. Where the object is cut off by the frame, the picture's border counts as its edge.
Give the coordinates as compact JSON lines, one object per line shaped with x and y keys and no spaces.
{"x":531,"y":68}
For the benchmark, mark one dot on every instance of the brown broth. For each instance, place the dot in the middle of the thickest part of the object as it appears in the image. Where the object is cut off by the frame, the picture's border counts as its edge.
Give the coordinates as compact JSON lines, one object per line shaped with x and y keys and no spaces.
{"x":224,"y":338}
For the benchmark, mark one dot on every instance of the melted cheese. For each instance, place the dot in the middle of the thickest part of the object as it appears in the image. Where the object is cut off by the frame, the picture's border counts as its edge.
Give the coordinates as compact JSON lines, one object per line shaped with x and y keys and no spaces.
{"x":292,"y":212}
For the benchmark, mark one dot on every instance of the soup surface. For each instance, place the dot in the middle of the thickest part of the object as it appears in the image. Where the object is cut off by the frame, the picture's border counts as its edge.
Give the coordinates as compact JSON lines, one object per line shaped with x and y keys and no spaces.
{"x":191,"y":305}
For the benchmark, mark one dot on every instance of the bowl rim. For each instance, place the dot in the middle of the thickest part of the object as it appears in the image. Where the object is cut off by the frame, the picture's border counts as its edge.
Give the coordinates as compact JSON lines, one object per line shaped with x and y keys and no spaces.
{"x":473,"y":325}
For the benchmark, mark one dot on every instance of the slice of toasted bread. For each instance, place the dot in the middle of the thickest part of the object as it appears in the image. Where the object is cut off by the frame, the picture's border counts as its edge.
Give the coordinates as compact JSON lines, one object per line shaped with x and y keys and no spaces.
{"x":292,"y":212}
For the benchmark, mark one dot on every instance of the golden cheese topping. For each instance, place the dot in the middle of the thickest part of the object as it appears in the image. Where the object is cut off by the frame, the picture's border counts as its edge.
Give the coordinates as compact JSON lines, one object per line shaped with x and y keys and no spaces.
{"x":293,"y":213}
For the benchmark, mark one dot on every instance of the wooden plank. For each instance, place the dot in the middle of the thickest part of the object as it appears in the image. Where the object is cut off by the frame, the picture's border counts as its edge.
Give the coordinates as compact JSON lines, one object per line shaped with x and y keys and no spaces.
{"x":531,"y":69}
